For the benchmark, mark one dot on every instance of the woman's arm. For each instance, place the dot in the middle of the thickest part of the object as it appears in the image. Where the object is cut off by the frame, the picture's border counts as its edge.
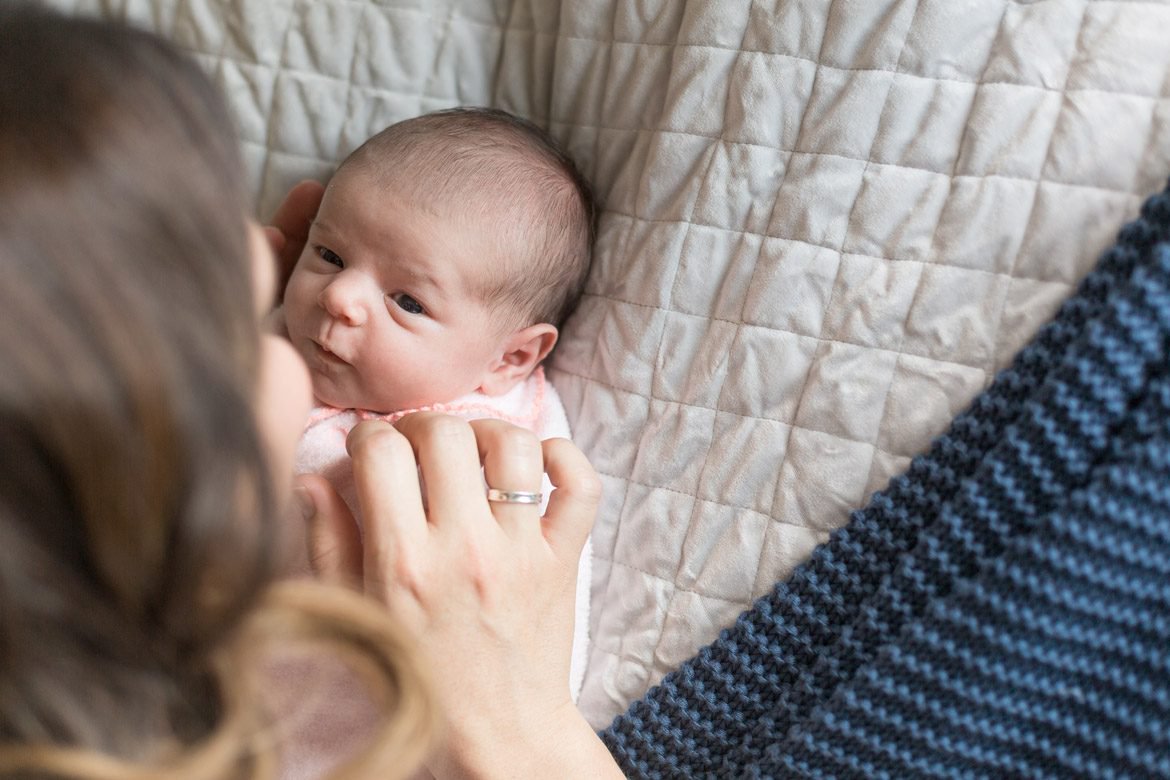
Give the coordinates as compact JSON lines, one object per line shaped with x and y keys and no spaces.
{"x":488,"y":589}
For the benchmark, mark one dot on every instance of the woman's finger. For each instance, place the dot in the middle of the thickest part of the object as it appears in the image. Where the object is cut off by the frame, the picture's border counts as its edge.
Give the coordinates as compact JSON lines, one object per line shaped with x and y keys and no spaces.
{"x":572,"y":507}
{"x":292,"y":220}
{"x":334,"y":542}
{"x":449,"y":458}
{"x":386,"y":479}
{"x":513,"y":463}
{"x":276,"y":238}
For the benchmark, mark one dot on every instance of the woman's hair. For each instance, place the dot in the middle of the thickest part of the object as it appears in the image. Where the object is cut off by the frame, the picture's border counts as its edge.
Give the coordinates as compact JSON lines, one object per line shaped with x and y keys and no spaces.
{"x":137,"y":519}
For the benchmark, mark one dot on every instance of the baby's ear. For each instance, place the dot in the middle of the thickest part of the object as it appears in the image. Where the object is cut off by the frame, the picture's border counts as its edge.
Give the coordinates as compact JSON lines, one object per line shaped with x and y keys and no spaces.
{"x":523,"y":351}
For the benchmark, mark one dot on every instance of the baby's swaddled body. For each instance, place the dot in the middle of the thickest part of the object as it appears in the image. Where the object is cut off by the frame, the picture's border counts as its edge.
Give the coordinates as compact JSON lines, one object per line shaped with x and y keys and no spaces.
{"x":336,"y":716}
{"x":532,"y":404}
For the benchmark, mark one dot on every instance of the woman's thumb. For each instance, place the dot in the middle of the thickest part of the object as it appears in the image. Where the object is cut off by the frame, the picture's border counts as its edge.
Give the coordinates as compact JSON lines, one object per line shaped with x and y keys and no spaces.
{"x":334,"y":542}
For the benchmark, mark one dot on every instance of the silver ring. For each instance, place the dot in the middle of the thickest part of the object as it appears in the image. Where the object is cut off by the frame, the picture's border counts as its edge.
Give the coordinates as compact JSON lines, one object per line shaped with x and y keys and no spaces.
{"x":514,"y":496}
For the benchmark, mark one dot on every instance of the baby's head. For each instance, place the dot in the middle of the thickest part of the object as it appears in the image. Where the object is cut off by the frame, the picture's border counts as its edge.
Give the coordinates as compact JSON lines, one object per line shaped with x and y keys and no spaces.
{"x":446,"y":253}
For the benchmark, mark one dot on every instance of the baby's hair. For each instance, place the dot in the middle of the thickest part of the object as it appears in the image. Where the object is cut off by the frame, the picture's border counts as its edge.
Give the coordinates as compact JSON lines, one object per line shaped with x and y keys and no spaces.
{"x":509,"y":170}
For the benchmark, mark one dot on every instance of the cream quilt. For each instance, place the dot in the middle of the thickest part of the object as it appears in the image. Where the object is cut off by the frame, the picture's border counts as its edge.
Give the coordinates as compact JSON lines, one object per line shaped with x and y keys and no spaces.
{"x":827,"y":223}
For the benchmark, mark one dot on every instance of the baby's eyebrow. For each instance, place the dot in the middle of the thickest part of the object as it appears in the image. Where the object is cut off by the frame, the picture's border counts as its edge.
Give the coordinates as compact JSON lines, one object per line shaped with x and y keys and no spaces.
{"x":421,"y":277}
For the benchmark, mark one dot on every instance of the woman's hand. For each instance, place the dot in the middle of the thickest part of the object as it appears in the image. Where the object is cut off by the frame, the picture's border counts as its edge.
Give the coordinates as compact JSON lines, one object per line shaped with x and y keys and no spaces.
{"x":289,"y":228}
{"x":488,"y":589}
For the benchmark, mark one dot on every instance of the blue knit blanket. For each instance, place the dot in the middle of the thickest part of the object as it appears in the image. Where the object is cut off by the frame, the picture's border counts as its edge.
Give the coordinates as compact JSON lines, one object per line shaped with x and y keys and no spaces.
{"x":1000,"y":610}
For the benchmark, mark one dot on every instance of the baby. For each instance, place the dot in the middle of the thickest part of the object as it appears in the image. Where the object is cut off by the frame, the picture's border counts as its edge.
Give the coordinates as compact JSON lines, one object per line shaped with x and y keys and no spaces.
{"x":447,"y":251}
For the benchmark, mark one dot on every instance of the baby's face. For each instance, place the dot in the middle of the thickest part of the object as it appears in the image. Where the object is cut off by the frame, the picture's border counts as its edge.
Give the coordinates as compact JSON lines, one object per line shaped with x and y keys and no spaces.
{"x":381,"y":304}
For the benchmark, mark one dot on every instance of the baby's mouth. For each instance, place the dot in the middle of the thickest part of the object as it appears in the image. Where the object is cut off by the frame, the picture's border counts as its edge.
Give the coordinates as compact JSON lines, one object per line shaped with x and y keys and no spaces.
{"x":327,"y":356}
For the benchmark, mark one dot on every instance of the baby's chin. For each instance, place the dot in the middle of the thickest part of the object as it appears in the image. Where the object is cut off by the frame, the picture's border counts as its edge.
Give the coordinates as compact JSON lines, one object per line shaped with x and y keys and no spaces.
{"x":332,"y":390}
{"x":328,"y":395}
{"x":340,"y":395}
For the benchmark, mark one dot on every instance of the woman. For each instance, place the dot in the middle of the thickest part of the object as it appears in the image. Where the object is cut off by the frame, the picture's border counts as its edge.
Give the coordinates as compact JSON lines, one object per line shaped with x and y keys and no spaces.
{"x":147,"y":433}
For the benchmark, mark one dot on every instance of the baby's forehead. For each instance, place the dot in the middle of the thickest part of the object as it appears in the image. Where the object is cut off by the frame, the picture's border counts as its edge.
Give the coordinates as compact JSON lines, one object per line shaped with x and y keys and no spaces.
{"x":503,"y":209}
{"x":499,"y":228}
{"x":490,"y":160}
{"x":434,"y":191}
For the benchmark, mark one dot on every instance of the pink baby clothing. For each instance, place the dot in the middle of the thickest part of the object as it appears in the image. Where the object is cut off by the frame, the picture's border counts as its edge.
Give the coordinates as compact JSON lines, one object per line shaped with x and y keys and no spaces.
{"x":532,"y":404}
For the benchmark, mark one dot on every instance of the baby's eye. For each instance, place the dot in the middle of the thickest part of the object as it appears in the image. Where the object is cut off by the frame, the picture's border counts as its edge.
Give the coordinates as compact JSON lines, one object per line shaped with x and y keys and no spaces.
{"x":407,"y":303}
{"x":331,"y":257}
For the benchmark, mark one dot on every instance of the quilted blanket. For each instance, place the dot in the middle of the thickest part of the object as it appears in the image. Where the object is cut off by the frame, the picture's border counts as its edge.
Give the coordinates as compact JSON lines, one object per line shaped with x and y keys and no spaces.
{"x":1001,"y":610}
{"x":827,"y":224}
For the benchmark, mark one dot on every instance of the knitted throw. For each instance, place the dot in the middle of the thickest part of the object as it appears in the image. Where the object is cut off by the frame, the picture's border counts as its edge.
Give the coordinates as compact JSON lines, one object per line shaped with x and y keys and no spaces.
{"x":1000,"y":610}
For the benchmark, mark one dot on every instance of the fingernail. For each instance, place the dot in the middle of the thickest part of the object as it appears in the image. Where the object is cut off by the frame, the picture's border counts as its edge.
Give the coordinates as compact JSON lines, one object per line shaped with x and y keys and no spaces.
{"x":304,"y":502}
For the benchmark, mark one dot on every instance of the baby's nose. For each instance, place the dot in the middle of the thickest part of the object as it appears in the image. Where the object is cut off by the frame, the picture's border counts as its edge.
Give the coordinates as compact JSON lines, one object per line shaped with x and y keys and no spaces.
{"x":343,"y":299}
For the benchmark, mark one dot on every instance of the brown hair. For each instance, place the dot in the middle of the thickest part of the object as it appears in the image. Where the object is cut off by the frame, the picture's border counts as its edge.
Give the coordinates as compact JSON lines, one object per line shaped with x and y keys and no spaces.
{"x":492,"y":163}
{"x":137,"y":523}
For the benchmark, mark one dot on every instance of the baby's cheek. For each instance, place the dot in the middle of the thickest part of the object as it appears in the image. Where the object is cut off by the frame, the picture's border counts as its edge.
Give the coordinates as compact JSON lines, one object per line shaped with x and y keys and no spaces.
{"x":294,"y":296}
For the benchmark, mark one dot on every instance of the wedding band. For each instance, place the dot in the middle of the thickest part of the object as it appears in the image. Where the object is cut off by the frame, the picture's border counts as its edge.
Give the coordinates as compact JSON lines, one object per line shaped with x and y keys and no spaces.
{"x":514,"y":496}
